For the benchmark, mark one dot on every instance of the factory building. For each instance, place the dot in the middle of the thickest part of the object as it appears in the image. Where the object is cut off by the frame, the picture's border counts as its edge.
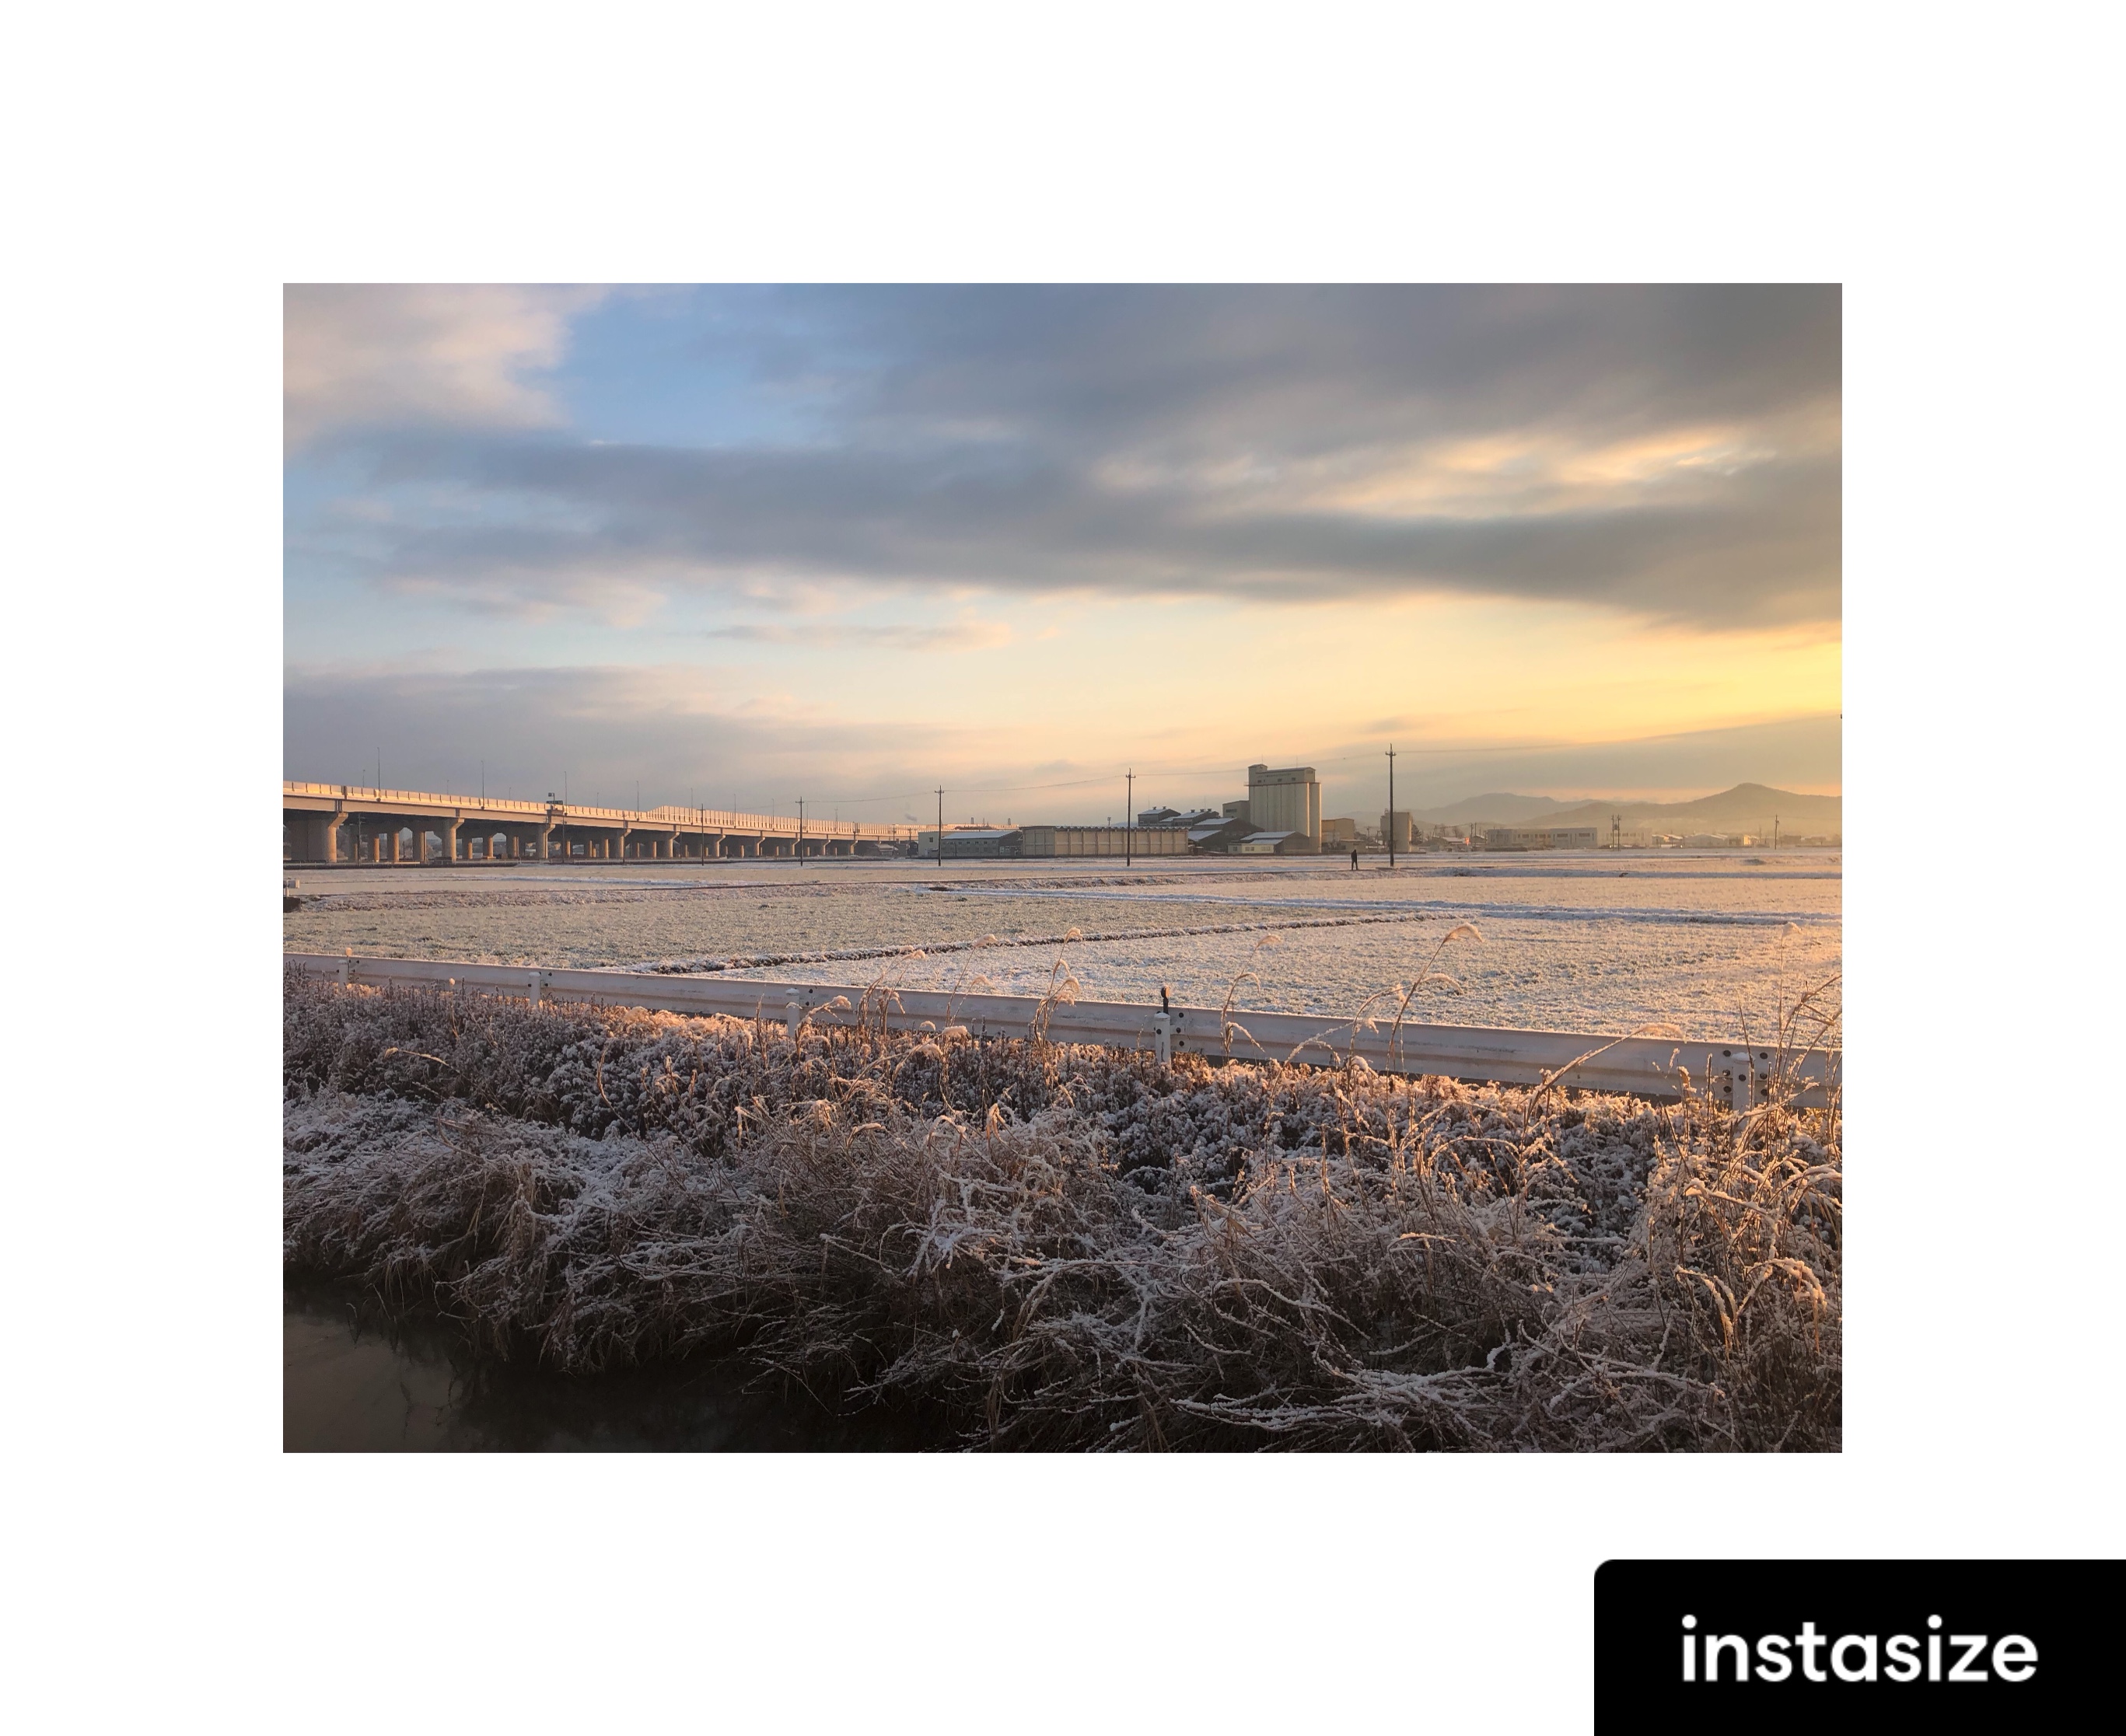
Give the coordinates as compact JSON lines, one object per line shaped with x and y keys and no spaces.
{"x":1010,"y":843}
{"x":1282,"y":816}
{"x":1049,"y":841}
{"x":968,"y":843}
{"x":1287,"y":799}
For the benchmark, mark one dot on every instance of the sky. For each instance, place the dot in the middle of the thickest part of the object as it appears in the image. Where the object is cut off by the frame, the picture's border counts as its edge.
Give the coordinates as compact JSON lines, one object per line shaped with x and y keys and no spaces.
{"x":738,"y":545}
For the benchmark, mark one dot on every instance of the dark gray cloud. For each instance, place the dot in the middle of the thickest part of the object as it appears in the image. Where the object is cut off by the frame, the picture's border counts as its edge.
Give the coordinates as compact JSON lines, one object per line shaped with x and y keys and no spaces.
{"x":1670,"y":452}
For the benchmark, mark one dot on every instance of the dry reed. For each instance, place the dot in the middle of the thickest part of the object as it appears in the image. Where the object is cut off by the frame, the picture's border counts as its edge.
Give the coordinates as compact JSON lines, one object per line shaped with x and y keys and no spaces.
{"x":1050,"y":1246}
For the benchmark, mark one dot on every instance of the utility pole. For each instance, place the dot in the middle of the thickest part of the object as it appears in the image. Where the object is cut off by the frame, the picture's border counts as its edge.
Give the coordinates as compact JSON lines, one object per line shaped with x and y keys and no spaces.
{"x":1129,"y":811}
{"x":800,"y":829}
{"x":941,"y":824}
{"x":483,"y":781}
{"x":1391,"y":829}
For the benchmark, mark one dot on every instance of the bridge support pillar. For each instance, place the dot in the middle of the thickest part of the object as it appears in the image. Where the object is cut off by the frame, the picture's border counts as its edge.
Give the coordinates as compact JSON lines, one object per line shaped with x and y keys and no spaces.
{"x":449,"y":828}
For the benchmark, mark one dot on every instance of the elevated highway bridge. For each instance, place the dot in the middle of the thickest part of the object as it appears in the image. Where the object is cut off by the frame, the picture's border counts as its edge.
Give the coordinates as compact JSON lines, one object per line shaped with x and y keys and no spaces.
{"x":326,"y":824}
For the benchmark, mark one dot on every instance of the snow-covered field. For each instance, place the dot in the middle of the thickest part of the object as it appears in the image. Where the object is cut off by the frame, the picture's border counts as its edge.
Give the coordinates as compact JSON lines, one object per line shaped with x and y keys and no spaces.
{"x":1581,"y":941}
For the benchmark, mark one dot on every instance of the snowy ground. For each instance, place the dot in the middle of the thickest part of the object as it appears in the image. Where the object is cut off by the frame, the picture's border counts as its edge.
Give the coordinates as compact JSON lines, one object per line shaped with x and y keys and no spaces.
{"x":1583,"y":941}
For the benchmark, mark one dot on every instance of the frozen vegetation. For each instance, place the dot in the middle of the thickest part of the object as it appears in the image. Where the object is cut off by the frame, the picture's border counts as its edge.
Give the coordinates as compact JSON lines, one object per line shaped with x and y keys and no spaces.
{"x":1016,"y":1244}
{"x":1700,"y":944}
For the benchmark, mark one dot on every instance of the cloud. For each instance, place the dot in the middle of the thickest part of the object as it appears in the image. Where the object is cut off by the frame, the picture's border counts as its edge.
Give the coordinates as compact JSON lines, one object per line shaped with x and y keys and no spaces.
{"x":1761,"y":546}
{"x":1803,"y":753}
{"x":979,"y":635}
{"x":1670,"y":453}
{"x":601,"y":728}
{"x":400,"y":355}
{"x":677,"y":730}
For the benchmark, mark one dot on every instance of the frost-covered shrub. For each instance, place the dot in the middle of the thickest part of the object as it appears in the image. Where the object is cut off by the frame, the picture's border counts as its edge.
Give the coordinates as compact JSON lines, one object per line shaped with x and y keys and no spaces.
{"x":1059,"y":1247}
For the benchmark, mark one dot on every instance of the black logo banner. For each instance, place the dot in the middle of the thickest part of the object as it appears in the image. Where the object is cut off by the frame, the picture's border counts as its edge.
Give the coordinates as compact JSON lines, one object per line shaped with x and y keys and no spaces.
{"x":1948,"y":1645}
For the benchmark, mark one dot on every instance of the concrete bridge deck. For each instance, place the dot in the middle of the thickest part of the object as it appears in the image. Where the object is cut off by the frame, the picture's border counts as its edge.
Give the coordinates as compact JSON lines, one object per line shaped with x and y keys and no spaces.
{"x":326,"y":824}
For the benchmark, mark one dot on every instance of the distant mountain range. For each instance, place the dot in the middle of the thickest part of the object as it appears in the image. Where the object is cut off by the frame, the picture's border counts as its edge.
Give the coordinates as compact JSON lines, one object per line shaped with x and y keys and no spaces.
{"x":1747,"y":807}
{"x":1499,"y":808}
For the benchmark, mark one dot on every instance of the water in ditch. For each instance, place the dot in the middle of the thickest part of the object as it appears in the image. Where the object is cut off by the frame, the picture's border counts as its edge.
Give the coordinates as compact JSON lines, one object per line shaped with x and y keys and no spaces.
{"x":350,"y":1385}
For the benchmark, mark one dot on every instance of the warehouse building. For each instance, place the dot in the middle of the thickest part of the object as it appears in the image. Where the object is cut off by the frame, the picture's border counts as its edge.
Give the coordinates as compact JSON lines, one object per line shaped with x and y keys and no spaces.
{"x":969,"y":843}
{"x":1277,"y":843}
{"x":1065,"y":840}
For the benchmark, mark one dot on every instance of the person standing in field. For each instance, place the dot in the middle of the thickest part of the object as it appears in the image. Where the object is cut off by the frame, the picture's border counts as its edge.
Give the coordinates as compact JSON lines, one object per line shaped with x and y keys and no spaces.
{"x":1354,"y":861}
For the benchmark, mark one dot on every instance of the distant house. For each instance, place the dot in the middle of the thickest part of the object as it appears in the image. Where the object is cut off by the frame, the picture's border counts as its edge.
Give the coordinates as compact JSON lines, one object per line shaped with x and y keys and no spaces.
{"x":1539,"y":837}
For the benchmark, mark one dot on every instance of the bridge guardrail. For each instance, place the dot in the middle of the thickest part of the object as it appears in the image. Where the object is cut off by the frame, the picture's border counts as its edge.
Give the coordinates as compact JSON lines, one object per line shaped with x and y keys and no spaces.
{"x":1643,"y":1066}
{"x":698,"y":819}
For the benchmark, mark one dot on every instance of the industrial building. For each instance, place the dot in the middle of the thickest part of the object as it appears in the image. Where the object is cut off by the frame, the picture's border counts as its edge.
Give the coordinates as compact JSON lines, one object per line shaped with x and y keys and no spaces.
{"x":1287,"y":799}
{"x":1048,"y":841}
{"x":972,"y":843}
{"x":1282,"y":816}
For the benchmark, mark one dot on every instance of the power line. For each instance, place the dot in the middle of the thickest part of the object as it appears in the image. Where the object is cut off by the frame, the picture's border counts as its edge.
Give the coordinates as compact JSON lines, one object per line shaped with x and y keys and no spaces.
{"x":1196,"y":771}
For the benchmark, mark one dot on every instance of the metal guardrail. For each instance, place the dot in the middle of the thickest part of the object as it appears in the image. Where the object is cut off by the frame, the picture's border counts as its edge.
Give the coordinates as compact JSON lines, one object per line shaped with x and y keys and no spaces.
{"x":685,"y":819}
{"x":1652,"y":1067}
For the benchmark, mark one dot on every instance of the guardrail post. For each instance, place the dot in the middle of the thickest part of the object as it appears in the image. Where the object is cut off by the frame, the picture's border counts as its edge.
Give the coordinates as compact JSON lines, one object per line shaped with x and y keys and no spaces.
{"x":1162,"y":1037}
{"x":538,"y":985}
{"x":346,"y":968}
{"x":792,"y":1012}
{"x":1740,"y":1068}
